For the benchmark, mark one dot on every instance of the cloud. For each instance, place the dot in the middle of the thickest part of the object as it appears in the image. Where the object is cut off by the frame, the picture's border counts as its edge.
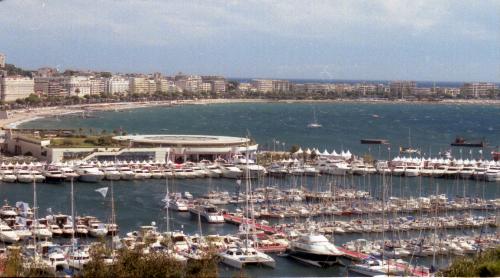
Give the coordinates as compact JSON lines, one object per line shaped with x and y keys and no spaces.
{"x":280,"y":37}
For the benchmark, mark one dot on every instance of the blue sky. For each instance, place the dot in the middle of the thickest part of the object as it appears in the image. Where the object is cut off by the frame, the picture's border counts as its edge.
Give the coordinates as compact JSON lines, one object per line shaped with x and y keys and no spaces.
{"x":450,"y":40}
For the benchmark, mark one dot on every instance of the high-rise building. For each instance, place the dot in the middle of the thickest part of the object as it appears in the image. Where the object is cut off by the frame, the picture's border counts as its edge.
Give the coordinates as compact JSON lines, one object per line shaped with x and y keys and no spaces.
{"x":15,"y":87}
{"x":77,"y":85}
{"x":50,"y":86}
{"x":2,"y":60}
{"x":281,"y":86}
{"x":116,"y":85}
{"x":477,"y":89}
{"x":217,"y":83}
{"x":139,"y":85}
{"x":399,"y":89}
{"x":263,"y":85}
{"x":97,"y":86}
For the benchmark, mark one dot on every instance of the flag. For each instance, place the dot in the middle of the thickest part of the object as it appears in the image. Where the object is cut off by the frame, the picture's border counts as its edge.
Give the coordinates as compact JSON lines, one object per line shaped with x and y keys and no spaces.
{"x":238,"y":182}
{"x":103,"y":191}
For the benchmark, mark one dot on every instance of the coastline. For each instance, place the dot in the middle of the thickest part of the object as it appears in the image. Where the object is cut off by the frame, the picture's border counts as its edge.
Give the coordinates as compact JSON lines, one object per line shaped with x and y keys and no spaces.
{"x":17,"y":117}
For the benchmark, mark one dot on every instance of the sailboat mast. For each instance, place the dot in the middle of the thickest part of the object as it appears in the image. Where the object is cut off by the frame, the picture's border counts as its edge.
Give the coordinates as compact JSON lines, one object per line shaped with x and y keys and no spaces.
{"x":168,"y":204}
{"x":73,"y":216}
{"x":35,"y":215}
{"x":113,"y":220}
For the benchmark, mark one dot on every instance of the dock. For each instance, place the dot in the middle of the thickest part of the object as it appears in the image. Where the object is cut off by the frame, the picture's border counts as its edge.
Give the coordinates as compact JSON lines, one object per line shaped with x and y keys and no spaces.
{"x":237,"y":220}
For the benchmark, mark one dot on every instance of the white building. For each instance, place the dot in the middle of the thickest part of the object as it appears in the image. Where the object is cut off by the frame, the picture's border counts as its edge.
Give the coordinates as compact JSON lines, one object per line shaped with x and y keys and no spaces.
{"x":97,"y":86}
{"x":16,"y":87}
{"x":116,"y":85}
{"x":77,"y":85}
{"x":2,"y":60}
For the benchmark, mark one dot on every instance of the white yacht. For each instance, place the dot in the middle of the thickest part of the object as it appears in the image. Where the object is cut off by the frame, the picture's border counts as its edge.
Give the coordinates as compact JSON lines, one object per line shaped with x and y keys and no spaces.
{"x":126,"y":173}
{"x":89,"y":174}
{"x":78,"y":259}
{"x":54,"y":175}
{"x":374,"y":267}
{"x":427,"y":171}
{"x":69,"y":173}
{"x":176,"y":203}
{"x":359,"y":169}
{"x":55,"y":230}
{"x":41,"y":231}
{"x":7,"y":234}
{"x":230,"y":171}
{"x":492,"y":174}
{"x":466,"y":172}
{"x":399,"y":170}
{"x":213,"y":171}
{"x":37,"y":176}
{"x":208,"y":213}
{"x":412,"y":171}
{"x":157,"y":174}
{"x":238,"y":257}
{"x":314,"y":249}
{"x":8,"y":176}
{"x":112,"y":174}
{"x":97,"y":229}
{"x":22,"y":231}
{"x":57,"y":261}
{"x":24,"y":176}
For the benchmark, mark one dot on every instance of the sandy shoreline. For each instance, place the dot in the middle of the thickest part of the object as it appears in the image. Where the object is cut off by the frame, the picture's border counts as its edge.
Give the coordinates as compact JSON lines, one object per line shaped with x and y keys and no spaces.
{"x":17,"y":117}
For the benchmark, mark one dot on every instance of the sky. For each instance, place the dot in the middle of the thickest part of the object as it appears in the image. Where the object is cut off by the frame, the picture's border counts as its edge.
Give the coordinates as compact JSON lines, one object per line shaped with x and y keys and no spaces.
{"x":433,"y":40}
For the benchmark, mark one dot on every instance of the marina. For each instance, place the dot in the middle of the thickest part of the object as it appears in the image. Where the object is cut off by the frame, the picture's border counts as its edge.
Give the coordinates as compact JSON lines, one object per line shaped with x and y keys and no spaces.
{"x":375,"y":213}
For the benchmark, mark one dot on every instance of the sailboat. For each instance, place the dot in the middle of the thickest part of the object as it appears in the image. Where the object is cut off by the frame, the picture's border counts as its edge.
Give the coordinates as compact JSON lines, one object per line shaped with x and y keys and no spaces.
{"x":240,"y":256}
{"x":315,"y":123}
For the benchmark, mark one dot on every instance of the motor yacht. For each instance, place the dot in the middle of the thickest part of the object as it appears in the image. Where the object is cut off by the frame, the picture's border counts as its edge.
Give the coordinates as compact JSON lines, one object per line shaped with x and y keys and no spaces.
{"x":78,"y":259}
{"x":412,"y":171}
{"x":41,"y":231}
{"x":126,"y":173}
{"x":7,"y":234}
{"x":399,"y":170}
{"x":57,"y":260}
{"x":8,"y":176}
{"x":213,"y":171}
{"x":238,"y":257}
{"x":7,"y":211}
{"x":111,"y":174}
{"x":466,"y":172}
{"x":97,"y":229}
{"x":230,"y":171}
{"x":38,"y":176}
{"x":208,"y":213}
{"x":314,"y":249}
{"x":89,"y":174}
{"x":54,"y":175}
{"x":69,"y":173}
{"x":55,"y":230}
{"x":157,"y":174}
{"x":24,"y":176}
{"x":492,"y":174}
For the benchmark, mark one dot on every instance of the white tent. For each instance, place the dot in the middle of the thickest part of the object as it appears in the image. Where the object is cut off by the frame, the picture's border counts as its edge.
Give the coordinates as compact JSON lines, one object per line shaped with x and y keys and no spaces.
{"x":300,"y":151}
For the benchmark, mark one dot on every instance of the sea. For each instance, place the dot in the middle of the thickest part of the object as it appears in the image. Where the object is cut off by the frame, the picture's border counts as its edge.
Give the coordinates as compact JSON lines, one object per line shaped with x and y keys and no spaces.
{"x":279,"y":126}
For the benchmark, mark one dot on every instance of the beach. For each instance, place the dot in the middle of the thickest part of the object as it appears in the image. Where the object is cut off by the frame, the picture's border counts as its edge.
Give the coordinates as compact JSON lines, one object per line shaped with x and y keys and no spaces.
{"x":19,"y":116}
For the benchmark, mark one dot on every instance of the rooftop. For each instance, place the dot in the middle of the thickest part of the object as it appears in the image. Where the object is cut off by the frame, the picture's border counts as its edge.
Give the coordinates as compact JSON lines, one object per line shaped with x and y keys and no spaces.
{"x":185,"y":140}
